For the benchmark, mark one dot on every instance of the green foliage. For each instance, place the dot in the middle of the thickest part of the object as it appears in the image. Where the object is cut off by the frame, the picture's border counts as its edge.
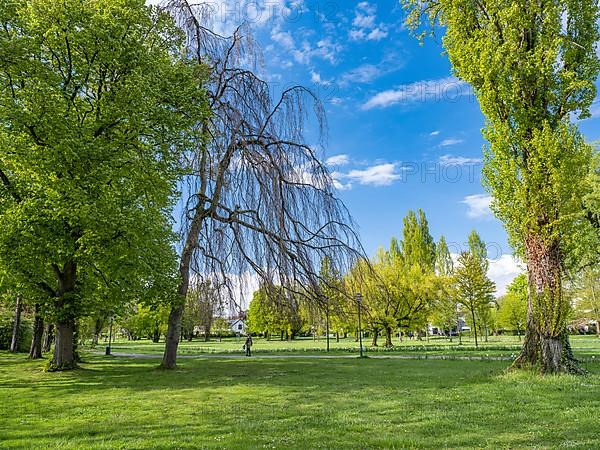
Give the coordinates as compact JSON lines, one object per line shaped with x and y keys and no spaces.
{"x":147,"y":321}
{"x":273,"y":311}
{"x":94,"y":96}
{"x":512,"y":312}
{"x":533,"y":67}
{"x":444,"y":265}
{"x":474,"y":290}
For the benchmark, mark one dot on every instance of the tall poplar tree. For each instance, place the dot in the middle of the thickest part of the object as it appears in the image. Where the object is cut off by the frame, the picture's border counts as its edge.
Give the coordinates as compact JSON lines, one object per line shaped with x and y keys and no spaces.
{"x":533,"y":67}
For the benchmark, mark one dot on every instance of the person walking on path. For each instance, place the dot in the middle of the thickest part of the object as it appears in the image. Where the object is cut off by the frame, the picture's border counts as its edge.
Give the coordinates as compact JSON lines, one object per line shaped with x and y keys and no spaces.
{"x":248,"y":345}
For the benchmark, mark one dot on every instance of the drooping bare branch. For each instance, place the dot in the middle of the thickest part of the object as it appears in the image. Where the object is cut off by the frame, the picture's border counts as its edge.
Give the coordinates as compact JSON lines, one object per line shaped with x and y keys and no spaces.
{"x":257,"y":199}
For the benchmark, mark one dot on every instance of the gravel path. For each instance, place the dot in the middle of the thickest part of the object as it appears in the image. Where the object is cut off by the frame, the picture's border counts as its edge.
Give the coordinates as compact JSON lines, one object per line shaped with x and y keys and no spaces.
{"x":265,"y":356}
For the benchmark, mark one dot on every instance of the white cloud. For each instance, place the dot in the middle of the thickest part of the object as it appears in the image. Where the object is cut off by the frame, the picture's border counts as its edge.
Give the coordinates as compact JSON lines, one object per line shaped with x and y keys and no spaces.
{"x":362,"y":74}
{"x":478,"y":205}
{"x":445,"y":89}
{"x":503,"y":270}
{"x":377,"y":34}
{"x":315,"y":77}
{"x":338,"y":160}
{"x":338,"y":183}
{"x":378,"y":175}
{"x":434,"y":133}
{"x":224,"y":16}
{"x":284,"y":38}
{"x":366,"y":7}
{"x":364,"y":24}
{"x":356,"y":35}
{"x":364,"y":21}
{"x":449,"y":160}
{"x":450,"y":142}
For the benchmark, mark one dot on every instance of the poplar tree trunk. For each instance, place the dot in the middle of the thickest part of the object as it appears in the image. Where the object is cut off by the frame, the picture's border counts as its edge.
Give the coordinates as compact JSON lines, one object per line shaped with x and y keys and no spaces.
{"x":14,"y":343}
{"x":48,"y":338}
{"x":546,"y":343}
{"x":35,"y":352}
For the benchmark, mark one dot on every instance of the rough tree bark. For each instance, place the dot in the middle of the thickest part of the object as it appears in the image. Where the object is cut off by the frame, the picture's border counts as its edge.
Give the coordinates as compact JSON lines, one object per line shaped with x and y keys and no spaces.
{"x":64,"y":348}
{"x":374,"y":340}
{"x":14,"y":343}
{"x":388,"y":337}
{"x":35,"y":351}
{"x":546,"y":344}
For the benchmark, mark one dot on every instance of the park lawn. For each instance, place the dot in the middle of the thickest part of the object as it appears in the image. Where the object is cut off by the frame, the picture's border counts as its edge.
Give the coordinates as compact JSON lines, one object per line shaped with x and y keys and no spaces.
{"x":294,"y":403}
{"x":584,"y":347}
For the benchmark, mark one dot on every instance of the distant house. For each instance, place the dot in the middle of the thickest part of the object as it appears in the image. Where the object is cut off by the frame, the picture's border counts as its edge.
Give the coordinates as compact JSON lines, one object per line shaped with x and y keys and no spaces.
{"x":238,"y":326}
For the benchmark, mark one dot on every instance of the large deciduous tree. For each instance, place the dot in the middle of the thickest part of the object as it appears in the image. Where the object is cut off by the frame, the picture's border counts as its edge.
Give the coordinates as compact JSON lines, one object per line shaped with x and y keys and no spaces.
{"x":94,"y":102}
{"x":533,"y":67}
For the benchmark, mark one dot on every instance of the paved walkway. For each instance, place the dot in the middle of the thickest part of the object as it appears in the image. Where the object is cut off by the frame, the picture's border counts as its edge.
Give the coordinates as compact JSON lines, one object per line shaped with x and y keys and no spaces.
{"x":296,"y":356}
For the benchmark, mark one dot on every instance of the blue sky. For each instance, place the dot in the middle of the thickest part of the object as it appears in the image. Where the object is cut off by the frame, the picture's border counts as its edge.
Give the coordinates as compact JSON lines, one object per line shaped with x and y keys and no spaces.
{"x":403,"y":133}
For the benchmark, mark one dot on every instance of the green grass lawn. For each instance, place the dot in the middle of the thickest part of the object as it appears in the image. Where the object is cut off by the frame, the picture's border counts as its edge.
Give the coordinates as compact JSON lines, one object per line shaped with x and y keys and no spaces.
{"x":294,"y":403}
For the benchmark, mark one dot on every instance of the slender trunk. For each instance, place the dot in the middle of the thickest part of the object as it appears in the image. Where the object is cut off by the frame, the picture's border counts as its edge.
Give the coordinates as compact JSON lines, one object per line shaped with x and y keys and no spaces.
{"x":98,"y":325}
{"x":388,"y":337}
{"x":35,"y":351}
{"x":174,"y":325}
{"x":14,"y":343}
{"x":337,"y":336}
{"x":596,"y":309}
{"x":474,"y":326}
{"x":546,"y":341}
{"x":48,"y":338}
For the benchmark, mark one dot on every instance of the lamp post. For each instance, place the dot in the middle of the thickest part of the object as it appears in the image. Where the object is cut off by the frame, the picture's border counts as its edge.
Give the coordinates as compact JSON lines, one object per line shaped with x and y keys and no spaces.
{"x":109,"y":335}
{"x":327,"y":323}
{"x":358,"y":298}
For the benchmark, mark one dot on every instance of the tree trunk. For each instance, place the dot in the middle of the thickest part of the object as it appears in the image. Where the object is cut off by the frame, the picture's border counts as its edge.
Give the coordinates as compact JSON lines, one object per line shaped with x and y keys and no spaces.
{"x":64,"y":352}
{"x":98,"y":325}
{"x":172,"y":338}
{"x":337,"y":336}
{"x":596,"y":309}
{"x":48,"y":338}
{"x":388,"y":337}
{"x":375,"y":336}
{"x":35,"y":352}
{"x":64,"y":357}
{"x":546,"y":343}
{"x":474,"y":326}
{"x":14,"y":343}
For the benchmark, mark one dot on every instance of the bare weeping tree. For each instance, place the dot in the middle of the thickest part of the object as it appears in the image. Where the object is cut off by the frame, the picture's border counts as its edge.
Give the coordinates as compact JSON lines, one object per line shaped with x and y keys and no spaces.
{"x":256,"y":197}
